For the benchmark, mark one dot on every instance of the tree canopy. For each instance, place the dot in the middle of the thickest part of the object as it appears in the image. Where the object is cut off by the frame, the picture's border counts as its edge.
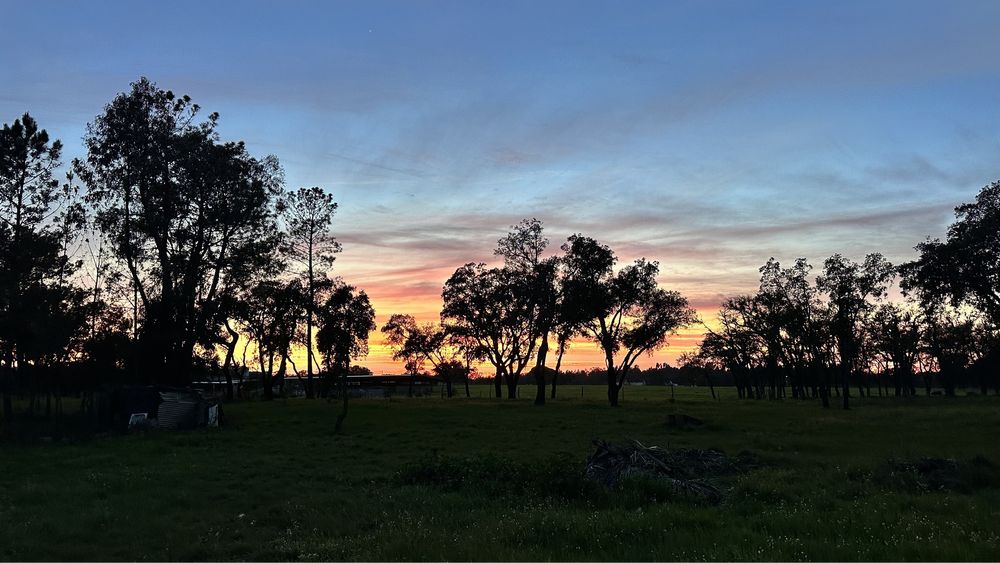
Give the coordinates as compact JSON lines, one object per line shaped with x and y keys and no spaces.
{"x":965,"y":267}
{"x":184,"y":211}
{"x":626,"y":312}
{"x":41,"y":312}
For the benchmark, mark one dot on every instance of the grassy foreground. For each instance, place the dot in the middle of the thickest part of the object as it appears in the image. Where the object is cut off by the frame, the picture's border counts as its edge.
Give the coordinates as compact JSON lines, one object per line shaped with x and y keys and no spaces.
{"x":276,"y":483}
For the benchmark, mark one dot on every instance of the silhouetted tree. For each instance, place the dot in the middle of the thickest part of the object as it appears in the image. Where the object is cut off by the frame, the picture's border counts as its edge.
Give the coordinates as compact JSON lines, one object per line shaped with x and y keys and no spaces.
{"x":493,"y":307}
{"x":966,"y":266}
{"x":782,"y":312}
{"x":522,"y":250}
{"x":399,"y":331}
{"x":565,"y":329}
{"x":239,"y":294}
{"x":108,"y":345}
{"x":769,"y":338}
{"x":850,"y":288}
{"x":271,"y":312}
{"x":39,"y":311}
{"x":345,"y":319}
{"x":737,"y":345}
{"x":895,"y":332}
{"x":415,"y":343}
{"x":949,"y":338}
{"x":964,"y":269}
{"x":702,"y":366}
{"x":468,"y":351}
{"x":626,"y":313}
{"x":181,"y":209}
{"x":102,"y":280}
{"x":309,"y":212}
{"x":986,"y":365}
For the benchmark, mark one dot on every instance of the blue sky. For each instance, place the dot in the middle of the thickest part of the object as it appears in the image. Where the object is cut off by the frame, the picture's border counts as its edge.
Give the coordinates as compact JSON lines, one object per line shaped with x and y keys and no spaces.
{"x":707,"y":135}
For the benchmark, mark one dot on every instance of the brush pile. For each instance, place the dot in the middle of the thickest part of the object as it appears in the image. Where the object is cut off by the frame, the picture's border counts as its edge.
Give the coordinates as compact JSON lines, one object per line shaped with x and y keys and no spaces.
{"x":685,"y":470}
{"x":924,"y":474}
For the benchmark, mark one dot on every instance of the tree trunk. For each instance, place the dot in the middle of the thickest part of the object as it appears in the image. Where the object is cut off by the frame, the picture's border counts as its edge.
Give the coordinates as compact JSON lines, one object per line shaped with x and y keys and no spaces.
{"x":309,"y":328}
{"x":948,"y":380}
{"x":25,"y":375}
{"x":845,"y":373}
{"x":613,"y":387}
{"x":227,"y":366}
{"x":555,"y":376}
{"x":343,"y":393}
{"x":993,"y":367}
{"x":32,"y":383}
{"x":498,"y":383}
{"x":824,"y":389}
{"x":772,"y":376}
{"x":184,"y":361}
{"x":8,"y":405}
{"x":6,"y":387}
{"x":539,"y":387}
{"x":543,"y":351}
{"x":309,"y":360}
{"x":282,"y":366}
{"x":265,"y":379}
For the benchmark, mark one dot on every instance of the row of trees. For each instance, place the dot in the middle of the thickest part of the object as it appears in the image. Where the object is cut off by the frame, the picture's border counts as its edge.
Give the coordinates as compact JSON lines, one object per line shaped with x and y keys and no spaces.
{"x":166,"y":252}
{"x":162,"y":251}
{"x":506,"y":315}
{"x":691,"y":371}
{"x":814,"y":338}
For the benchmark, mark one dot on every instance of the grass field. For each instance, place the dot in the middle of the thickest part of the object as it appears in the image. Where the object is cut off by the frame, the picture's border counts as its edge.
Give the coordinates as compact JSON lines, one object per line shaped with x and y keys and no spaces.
{"x":276,"y":483}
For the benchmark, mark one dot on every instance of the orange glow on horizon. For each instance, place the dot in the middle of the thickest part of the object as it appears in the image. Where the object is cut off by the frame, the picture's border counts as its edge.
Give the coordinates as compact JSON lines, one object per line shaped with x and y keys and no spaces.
{"x":582,"y":354}
{"x":411,"y":282}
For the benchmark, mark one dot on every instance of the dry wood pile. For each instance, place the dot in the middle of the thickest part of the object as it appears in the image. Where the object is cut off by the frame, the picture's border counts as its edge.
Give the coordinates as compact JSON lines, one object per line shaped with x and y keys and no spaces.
{"x":685,"y":470}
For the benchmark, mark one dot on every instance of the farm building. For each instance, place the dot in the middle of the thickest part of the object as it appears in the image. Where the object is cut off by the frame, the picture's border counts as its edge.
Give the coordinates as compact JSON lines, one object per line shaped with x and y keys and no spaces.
{"x":389,"y":385}
{"x":168,"y":408}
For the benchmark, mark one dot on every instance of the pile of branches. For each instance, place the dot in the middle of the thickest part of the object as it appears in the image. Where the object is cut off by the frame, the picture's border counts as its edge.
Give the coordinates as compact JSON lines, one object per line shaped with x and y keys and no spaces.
{"x":684,"y":470}
{"x":924,"y":474}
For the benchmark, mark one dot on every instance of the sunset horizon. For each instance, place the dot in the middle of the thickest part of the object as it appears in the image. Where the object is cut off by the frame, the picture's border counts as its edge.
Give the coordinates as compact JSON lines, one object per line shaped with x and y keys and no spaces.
{"x":480,"y":280}
{"x":708,"y":152}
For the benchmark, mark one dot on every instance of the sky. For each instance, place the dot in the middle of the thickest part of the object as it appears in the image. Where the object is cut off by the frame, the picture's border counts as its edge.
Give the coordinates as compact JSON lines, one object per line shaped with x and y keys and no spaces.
{"x":706,"y":135}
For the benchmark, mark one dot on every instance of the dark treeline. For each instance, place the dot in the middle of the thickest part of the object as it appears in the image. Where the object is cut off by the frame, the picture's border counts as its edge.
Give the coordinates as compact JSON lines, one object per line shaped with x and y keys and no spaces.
{"x":801,"y":335}
{"x":507,"y":315}
{"x":165,"y":255}
{"x":691,"y":372}
{"x":817,"y":338}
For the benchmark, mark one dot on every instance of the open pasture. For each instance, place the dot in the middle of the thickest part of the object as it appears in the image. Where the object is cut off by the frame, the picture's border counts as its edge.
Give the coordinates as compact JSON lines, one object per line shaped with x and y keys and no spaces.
{"x":491,"y":479}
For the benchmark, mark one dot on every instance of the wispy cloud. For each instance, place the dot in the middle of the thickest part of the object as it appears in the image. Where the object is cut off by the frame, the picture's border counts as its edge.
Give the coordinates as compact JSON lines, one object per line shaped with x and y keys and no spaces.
{"x":779,"y":130}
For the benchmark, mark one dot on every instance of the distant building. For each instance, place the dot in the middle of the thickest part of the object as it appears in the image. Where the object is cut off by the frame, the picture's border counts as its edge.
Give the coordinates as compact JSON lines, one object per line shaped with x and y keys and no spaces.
{"x":388,"y":385}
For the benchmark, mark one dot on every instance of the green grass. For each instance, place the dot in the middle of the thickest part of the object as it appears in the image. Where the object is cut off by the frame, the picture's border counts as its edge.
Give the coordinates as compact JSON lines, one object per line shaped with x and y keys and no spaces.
{"x":276,"y":483}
